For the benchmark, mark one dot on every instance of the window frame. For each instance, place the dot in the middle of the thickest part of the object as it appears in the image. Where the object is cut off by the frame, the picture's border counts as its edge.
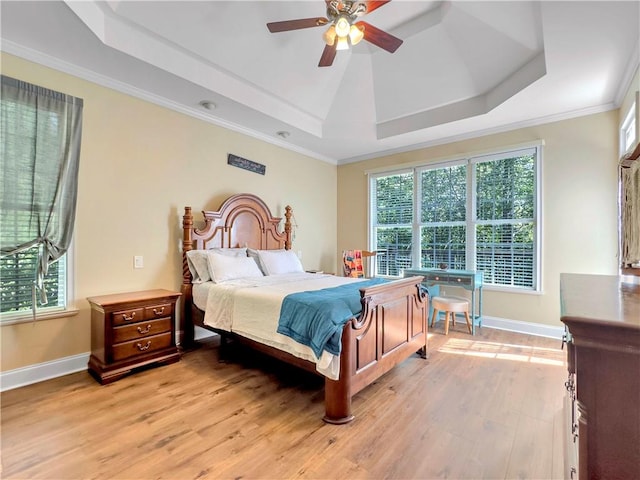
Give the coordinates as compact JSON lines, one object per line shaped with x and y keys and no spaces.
{"x":418,"y":224}
{"x":372,"y":216}
{"x":471,"y":221}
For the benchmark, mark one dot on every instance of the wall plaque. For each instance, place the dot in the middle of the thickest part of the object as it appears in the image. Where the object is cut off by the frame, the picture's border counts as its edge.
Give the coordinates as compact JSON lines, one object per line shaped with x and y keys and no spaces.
{"x":246,"y":164}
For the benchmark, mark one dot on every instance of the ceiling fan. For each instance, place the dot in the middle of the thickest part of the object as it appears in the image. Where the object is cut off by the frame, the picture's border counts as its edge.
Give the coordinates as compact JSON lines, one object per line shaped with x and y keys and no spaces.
{"x":344,"y":29}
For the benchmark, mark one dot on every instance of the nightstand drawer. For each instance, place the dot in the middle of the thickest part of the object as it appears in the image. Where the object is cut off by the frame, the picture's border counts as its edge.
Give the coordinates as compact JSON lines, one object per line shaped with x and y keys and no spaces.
{"x":125,"y":317}
{"x":158,"y":311}
{"x":142,"y":329}
{"x":141,"y":346}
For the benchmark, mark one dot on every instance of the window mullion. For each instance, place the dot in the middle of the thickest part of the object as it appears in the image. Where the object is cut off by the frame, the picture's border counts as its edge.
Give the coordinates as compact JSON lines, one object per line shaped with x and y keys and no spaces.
{"x":416,"y":259}
{"x":472,"y":216}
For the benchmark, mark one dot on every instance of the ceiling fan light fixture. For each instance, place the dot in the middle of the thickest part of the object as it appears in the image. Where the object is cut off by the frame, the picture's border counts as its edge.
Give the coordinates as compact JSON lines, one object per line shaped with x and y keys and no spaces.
{"x":330,"y":36}
{"x":343,"y":43}
{"x":356,"y":33}
{"x":343,"y":26}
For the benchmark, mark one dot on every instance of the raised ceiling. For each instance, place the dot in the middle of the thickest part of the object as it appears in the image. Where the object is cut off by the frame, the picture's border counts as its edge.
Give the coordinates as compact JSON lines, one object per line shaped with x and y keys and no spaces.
{"x":465,"y":68}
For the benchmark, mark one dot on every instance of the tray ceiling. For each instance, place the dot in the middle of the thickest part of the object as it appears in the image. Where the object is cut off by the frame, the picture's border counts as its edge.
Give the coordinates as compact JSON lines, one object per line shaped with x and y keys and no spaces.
{"x":464,"y":69}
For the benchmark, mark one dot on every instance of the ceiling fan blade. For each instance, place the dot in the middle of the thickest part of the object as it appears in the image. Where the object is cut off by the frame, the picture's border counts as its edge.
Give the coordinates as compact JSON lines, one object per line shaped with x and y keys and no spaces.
{"x":373,"y":5}
{"x":328,"y":54}
{"x":380,"y":38}
{"x":287,"y":25}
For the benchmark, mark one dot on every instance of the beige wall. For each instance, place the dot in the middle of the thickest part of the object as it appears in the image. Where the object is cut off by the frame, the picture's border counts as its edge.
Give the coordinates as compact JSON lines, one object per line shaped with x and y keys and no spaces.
{"x":140,"y":165}
{"x":579,"y":212}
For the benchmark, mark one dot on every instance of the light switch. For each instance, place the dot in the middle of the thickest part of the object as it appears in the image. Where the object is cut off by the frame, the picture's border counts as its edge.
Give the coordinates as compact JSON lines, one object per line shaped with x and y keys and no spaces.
{"x":138,"y":261}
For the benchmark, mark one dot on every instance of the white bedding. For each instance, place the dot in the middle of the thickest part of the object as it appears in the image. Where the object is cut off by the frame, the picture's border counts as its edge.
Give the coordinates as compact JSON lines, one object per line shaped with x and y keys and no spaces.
{"x":251,"y":308}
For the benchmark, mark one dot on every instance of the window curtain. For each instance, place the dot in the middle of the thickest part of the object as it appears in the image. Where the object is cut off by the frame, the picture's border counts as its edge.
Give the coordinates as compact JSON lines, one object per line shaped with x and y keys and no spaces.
{"x":630,"y":213}
{"x":40,"y":136}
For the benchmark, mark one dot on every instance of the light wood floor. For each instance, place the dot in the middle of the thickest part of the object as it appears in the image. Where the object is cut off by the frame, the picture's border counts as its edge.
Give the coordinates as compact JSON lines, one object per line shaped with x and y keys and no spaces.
{"x":489,"y":406}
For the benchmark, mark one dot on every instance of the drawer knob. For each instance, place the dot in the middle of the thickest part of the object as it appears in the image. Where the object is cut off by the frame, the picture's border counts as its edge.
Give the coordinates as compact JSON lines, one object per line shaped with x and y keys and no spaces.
{"x":459,"y":279}
{"x":437,"y":278}
{"x":142,"y":348}
{"x":146,"y":330}
{"x":158,"y":311}
{"x":128,"y":319}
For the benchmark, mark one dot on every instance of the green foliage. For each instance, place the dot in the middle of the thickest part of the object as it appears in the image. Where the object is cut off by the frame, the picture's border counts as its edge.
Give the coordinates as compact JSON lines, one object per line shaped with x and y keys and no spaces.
{"x":444,"y":194}
{"x":17,"y":274}
{"x":394,"y":200}
{"x":505,"y":189}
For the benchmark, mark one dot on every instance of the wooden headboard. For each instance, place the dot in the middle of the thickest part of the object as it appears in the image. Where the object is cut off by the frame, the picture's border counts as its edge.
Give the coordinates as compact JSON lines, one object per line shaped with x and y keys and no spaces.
{"x":243,"y":220}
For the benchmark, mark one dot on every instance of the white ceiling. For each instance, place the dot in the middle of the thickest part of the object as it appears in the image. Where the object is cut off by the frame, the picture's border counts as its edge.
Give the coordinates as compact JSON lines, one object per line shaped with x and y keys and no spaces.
{"x":466,"y":68}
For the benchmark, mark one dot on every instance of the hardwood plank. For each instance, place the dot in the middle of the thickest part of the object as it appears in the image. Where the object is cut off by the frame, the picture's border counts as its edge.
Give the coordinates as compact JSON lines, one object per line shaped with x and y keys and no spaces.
{"x":487,"y":406}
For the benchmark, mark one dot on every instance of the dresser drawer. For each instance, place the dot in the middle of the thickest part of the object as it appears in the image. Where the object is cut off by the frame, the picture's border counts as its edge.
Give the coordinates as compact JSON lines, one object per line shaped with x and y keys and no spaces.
{"x":126,"y":317}
{"x":141,"y":330}
{"x":158,"y":311}
{"x":141,"y":346}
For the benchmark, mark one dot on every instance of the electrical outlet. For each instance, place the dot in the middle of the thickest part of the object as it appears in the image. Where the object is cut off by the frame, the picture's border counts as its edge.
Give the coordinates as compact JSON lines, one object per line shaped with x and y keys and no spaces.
{"x":138,"y":261}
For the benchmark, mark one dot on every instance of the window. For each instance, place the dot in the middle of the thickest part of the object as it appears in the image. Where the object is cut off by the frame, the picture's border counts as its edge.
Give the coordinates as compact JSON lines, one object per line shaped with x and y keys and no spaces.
{"x":443,"y":217}
{"x":39,"y":156}
{"x":18,"y":272}
{"x":479,"y":213}
{"x":393,"y":222}
{"x":630,"y":128}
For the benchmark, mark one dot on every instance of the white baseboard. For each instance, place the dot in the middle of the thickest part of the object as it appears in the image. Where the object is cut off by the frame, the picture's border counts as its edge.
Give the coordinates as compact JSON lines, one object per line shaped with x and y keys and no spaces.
{"x":526,"y":328}
{"x":64,"y":366}
{"x":43,"y":371}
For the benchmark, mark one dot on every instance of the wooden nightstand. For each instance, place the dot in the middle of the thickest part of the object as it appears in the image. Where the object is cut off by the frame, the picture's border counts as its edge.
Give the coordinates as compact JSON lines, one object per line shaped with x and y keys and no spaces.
{"x":130,"y":330}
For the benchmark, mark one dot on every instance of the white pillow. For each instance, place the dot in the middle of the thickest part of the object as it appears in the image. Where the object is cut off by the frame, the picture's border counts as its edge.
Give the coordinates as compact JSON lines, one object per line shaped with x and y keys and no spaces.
{"x":255,"y":254}
{"x":275,"y":262}
{"x":199,"y":265}
{"x":225,"y":267}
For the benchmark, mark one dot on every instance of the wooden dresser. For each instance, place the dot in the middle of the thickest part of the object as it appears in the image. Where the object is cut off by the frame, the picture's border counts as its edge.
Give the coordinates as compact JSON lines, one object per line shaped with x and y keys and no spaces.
{"x":131,"y":330}
{"x":602,"y":317}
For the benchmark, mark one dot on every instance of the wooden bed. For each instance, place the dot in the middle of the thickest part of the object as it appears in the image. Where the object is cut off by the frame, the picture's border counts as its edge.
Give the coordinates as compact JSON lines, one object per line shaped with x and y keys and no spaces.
{"x":391,"y":327}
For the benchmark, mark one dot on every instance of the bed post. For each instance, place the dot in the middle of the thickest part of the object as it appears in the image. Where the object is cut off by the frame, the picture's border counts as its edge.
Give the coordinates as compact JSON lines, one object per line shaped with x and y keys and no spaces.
{"x":288,"y":212}
{"x":337,"y":393}
{"x":186,"y":332}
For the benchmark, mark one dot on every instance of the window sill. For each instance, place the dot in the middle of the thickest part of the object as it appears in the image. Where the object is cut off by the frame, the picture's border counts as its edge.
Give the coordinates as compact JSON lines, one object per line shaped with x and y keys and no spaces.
{"x":28,"y":318}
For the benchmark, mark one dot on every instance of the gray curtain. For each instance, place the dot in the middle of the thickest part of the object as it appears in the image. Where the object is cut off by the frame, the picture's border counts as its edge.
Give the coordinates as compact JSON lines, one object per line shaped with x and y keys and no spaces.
{"x":39,"y":159}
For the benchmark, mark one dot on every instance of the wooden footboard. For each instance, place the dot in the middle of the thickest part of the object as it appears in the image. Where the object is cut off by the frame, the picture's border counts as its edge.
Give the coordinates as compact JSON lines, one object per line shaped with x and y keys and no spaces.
{"x":391,"y":327}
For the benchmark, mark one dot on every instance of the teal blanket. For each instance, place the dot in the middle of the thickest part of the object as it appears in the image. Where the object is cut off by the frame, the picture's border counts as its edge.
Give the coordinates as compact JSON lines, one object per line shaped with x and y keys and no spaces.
{"x":315,"y":318}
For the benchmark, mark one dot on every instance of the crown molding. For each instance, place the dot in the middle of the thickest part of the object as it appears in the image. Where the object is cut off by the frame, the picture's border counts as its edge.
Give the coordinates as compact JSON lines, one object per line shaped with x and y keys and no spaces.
{"x":122,"y":87}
